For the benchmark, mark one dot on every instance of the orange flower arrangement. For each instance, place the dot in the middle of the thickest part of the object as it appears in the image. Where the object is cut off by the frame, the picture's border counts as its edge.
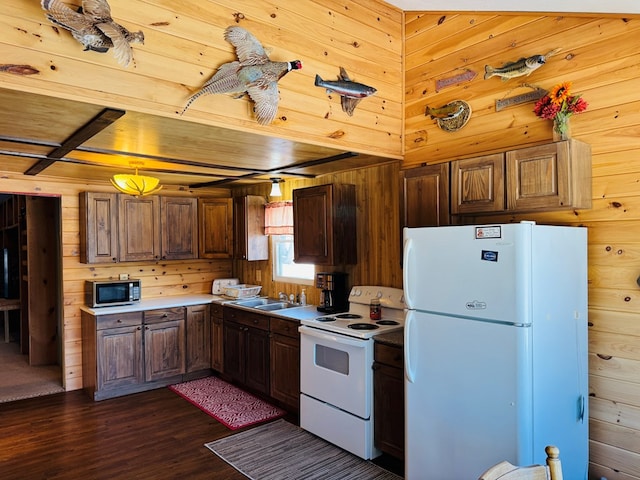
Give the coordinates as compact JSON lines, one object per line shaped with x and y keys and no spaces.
{"x":558,"y":105}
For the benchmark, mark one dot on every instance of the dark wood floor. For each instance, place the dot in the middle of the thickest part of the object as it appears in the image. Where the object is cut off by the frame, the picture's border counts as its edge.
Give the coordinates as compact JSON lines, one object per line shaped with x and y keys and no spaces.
{"x":152,"y":435}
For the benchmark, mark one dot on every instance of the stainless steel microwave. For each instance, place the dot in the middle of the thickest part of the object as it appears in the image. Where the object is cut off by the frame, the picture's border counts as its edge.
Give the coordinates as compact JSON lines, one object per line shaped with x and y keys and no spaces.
{"x":110,"y":293}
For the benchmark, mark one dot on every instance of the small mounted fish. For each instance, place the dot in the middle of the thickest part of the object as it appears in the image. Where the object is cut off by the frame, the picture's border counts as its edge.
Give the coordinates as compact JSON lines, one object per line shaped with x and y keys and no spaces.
{"x":350,"y":92}
{"x":521,"y":67}
{"x":451,"y":117}
{"x":94,"y":28}
{"x":451,"y":110}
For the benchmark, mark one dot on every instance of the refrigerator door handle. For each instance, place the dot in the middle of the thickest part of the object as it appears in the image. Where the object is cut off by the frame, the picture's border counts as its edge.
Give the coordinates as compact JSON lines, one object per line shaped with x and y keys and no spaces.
{"x":406,"y":265}
{"x":409,"y":371}
{"x":582,"y":409}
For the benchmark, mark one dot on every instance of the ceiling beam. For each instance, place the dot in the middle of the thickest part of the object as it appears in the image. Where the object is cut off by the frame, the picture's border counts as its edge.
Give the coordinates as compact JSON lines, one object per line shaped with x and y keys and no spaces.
{"x":281,"y":170}
{"x":98,"y":123}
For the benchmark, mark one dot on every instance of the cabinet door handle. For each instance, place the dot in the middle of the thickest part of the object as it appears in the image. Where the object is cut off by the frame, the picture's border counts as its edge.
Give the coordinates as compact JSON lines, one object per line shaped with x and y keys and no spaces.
{"x":165,"y":315}
{"x":119,"y":321}
{"x":139,"y":328}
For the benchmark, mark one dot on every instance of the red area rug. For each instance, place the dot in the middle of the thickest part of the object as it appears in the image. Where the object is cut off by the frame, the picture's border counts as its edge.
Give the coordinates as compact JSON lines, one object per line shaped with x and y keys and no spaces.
{"x":229,"y":405}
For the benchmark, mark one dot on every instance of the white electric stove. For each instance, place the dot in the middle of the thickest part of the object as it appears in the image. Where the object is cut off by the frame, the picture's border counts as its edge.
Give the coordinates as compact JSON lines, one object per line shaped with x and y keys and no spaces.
{"x":336,"y":369}
{"x":356,"y":322}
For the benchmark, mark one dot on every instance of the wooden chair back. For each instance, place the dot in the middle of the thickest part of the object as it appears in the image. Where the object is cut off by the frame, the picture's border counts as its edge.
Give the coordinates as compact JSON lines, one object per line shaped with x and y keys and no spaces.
{"x":506,"y":471}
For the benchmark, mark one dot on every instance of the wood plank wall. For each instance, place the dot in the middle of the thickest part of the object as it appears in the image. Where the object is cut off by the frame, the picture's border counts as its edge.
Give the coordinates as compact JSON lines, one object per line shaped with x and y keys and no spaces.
{"x":377,"y":230}
{"x":184,"y":45}
{"x":601,"y":58}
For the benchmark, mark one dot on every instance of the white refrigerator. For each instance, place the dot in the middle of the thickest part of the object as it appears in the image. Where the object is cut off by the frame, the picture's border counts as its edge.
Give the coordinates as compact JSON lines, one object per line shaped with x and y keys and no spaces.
{"x":495,"y":348}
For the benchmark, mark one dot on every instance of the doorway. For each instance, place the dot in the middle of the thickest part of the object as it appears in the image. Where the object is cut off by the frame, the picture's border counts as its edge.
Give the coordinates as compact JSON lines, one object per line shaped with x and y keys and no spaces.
{"x":30,"y":281}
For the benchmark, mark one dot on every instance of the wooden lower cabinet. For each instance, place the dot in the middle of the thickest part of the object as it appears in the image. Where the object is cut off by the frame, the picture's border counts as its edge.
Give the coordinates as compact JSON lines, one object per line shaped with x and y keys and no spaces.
{"x":388,"y":399}
{"x":217,"y":338}
{"x":118,"y":352}
{"x":198,"y":348}
{"x":285,"y":362}
{"x":164,"y":339}
{"x":246,"y":348}
{"x":132,"y":352}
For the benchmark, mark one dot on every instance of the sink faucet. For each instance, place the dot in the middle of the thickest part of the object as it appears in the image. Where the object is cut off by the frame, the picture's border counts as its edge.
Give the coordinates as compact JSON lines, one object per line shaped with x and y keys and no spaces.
{"x":282,"y":296}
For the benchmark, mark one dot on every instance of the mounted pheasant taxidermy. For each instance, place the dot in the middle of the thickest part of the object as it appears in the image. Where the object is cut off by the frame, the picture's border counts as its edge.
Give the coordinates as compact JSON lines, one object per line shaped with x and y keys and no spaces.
{"x":94,"y":28}
{"x":253,"y":74}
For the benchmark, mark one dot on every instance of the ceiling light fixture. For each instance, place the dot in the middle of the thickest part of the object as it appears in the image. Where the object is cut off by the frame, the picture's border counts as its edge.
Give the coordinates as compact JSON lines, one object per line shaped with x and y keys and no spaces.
{"x":275,"y":187}
{"x":136,"y":185}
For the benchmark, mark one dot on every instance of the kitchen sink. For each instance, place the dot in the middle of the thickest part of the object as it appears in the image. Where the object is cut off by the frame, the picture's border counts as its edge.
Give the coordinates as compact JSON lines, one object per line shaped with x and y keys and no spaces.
{"x":256,"y":302}
{"x":266,"y":304}
{"x":275,"y":306}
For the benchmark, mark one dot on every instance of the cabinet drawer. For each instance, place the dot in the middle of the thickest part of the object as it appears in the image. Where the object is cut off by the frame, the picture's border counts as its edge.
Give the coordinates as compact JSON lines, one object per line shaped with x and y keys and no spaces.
{"x":284,"y":327}
{"x":216,"y":311}
{"x":249,"y":319}
{"x":164,"y":315}
{"x":392,"y":356}
{"x":118,"y":320}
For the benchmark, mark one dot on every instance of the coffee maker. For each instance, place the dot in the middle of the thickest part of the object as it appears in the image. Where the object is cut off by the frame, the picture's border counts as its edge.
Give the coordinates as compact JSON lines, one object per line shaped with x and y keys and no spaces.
{"x":334,"y":296}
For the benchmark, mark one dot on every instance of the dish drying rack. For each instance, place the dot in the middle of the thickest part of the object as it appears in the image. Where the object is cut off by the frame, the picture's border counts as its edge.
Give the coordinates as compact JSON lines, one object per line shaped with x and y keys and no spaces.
{"x":242,"y":291}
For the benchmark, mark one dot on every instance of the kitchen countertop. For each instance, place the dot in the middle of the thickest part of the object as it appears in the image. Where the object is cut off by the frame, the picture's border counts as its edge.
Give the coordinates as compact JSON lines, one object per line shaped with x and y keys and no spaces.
{"x":394,"y":339}
{"x":154,"y":303}
{"x":292,"y":313}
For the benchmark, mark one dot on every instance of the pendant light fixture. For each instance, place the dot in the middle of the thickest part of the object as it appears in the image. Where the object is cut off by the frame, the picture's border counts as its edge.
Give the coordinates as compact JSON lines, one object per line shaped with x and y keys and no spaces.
{"x":275,"y":187}
{"x":136,"y":185}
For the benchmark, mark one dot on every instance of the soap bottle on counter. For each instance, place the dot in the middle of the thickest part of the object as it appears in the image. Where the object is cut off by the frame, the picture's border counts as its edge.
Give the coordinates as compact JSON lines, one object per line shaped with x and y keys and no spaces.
{"x":303,"y":297}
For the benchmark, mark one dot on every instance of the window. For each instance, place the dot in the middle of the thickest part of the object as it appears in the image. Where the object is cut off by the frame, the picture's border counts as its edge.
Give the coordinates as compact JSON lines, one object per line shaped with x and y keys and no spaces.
{"x":284,"y":268}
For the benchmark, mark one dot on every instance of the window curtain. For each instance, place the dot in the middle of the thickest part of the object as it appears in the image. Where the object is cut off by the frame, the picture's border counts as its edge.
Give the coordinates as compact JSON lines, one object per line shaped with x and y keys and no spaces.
{"x":278,"y":218}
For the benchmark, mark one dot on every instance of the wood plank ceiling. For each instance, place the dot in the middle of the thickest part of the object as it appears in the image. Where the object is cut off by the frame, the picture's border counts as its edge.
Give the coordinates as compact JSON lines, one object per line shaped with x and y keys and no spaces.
{"x":69,"y":139}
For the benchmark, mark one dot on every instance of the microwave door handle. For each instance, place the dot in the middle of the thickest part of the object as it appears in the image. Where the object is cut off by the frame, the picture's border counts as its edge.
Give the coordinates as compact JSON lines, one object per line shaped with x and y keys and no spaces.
{"x":322,"y":335}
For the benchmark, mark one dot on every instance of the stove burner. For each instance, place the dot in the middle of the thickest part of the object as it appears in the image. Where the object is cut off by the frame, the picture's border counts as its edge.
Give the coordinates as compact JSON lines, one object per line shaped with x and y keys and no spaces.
{"x":325,"y":319}
{"x":362,"y":326}
{"x":348,"y":315}
{"x":387,"y":322}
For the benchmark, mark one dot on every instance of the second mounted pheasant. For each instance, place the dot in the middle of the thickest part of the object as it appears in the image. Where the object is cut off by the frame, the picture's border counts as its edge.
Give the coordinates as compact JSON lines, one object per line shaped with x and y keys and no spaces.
{"x":94,"y":28}
{"x":253,"y":73}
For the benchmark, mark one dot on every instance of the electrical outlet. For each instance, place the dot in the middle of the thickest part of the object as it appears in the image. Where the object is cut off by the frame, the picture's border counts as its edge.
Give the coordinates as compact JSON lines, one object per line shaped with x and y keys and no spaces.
{"x":124,"y":276}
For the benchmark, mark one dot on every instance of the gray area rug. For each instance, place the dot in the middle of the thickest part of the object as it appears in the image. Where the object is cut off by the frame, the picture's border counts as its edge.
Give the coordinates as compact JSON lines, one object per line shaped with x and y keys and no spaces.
{"x":283,"y":451}
{"x":18,"y":380}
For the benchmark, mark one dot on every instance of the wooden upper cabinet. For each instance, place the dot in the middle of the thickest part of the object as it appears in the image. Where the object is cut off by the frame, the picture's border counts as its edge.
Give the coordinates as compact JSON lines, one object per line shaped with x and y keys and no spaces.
{"x":139,"y":228}
{"x":248,"y":224}
{"x":98,"y":227}
{"x":216,"y":234}
{"x":425,"y":196}
{"x":477,"y":185}
{"x":179,"y":227}
{"x":557,"y":175}
{"x":546,"y":177}
{"x":324,"y":225}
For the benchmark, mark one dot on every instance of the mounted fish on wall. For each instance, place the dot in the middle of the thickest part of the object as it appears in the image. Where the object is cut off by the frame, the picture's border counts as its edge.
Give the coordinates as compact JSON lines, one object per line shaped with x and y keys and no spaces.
{"x":350,"y":92}
{"x":94,"y":28}
{"x":253,"y":74}
{"x":521,"y":67}
{"x":452,"y":116}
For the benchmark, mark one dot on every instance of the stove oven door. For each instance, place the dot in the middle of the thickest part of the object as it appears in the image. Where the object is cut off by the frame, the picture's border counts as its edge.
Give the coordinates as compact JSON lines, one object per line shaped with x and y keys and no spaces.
{"x":336,"y":369}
